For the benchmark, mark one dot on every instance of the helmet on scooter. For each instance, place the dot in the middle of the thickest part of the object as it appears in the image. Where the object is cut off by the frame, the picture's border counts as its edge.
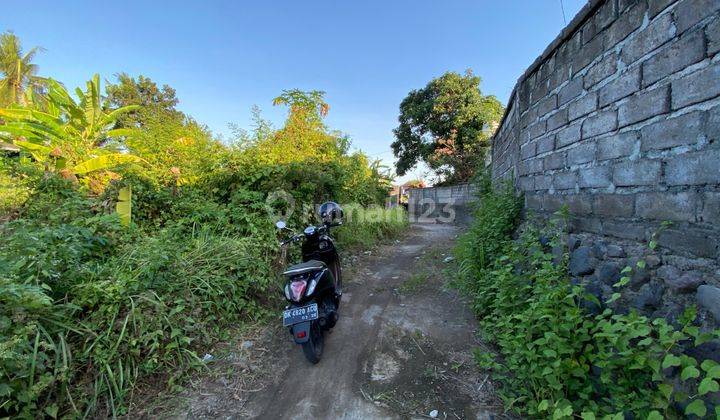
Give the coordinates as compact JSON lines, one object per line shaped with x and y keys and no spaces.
{"x":330,"y":212}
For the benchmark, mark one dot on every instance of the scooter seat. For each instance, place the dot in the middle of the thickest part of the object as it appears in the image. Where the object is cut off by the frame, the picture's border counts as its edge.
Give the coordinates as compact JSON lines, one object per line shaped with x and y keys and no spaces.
{"x":306,"y":267}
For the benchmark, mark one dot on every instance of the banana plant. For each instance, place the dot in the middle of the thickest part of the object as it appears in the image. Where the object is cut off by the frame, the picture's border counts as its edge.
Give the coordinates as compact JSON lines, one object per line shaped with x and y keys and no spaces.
{"x":77,"y":133}
{"x":123,"y":207}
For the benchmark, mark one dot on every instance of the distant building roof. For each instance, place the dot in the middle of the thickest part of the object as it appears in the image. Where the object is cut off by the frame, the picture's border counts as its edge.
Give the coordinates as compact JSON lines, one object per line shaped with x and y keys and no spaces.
{"x":414,"y":184}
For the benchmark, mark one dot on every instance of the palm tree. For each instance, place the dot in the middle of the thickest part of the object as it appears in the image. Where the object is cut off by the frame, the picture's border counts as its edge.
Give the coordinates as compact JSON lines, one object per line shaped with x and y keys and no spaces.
{"x":19,"y":82}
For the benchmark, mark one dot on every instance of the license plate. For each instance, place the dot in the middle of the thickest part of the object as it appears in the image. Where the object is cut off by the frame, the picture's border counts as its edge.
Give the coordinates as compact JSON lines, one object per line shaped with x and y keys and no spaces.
{"x":294,"y":316}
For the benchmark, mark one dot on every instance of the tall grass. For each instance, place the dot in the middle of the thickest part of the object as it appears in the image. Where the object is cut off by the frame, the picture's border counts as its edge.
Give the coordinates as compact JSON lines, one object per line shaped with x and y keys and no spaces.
{"x":365,"y":226}
{"x":88,"y":309}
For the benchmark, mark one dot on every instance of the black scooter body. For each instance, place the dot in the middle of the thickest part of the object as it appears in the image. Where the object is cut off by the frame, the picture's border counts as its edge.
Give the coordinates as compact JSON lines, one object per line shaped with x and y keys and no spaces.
{"x":318,"y":249}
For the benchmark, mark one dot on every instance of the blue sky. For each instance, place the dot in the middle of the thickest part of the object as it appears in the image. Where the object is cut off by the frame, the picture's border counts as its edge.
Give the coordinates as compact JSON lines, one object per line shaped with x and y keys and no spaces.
{"x":224,"y":56}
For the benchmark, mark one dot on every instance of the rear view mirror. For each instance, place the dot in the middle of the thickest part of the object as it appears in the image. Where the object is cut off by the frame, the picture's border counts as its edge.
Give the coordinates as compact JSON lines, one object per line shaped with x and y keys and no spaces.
{"x":281,"y":224}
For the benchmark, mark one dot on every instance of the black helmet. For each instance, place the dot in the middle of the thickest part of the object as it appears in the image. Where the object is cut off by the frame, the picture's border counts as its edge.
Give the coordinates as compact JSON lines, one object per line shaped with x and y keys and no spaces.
{"x":330,"y":212}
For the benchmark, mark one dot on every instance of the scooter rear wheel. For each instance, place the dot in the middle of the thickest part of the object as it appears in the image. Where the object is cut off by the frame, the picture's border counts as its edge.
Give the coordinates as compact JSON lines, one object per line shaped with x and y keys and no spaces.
{"x":313,"y":348}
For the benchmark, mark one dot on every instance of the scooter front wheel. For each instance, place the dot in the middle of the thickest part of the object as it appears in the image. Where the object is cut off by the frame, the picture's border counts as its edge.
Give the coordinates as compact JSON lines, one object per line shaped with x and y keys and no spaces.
{"x":313,"y":348}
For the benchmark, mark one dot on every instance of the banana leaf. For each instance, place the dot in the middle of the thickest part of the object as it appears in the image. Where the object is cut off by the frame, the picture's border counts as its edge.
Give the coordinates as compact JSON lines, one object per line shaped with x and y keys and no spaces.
{"x":105,"y":162}
{"x":124,"y":205}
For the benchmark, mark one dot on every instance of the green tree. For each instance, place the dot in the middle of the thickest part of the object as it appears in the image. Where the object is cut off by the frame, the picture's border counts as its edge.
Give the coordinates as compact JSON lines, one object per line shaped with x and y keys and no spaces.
{"x":154,"y":102}
{"x":19,"y":82}
{"x":178,"y":151}
{"x":304,"y":137}
{"x":447,"y":125}
{"x":76,"y":137}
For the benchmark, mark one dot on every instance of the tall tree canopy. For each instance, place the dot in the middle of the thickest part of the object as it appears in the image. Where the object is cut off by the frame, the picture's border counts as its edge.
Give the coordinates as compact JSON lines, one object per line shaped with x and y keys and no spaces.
{"x":447,"y":125}
{"x":19,"y":81}
{"x":154,"y":102}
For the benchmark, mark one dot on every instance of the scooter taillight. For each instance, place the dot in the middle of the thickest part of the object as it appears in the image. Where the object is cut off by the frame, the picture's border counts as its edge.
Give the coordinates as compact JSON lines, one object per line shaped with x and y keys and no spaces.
{"x":298,"y":288}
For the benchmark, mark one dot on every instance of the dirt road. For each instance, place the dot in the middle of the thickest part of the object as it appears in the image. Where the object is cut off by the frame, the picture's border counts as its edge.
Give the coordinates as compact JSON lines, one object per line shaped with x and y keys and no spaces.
{"x":402,"y":349}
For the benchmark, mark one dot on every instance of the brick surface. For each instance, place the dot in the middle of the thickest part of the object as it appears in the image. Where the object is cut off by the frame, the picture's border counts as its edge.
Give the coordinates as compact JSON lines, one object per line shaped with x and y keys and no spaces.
{"x":657,"y":6}
{"x":535,"y":130}
{"x":596,"y":177}
{"x":528,"y":150}
{"x":582,"y":153}
{"x":547,"y":68}
{"x":628,"y":21}
{"x":616,"y":205}
{"x":689,"y":12}
{"x":545,"y":144}
{"x":606,"y":15}
{"x":589,"y":52}
{"x":579,"y":204}
{"x":533,"y":201}
{"x":696,"y":87}
{"x":625,"y":70}
{"x":712,"y":124}
{"x":543,"y":182}
{"x":683,"y":130}
{"x":600,"y":70}
{"x":588,"y":30}
{"x":688,"y":50}
{"x":618,"y":145}
{"x":623,"y":86}
{"x":667,"y":206}
{"x":528,"y":117}
{"x":712,"y":33}
{"x":693,"y":241}
{"x":649,"y":39}
{"x":539,"y":92}
{"x":625,"y":230}
{"x":554,"y":161}
{"x":644,"y":105}
{"x":644,"y":172}
{"x":582,"y":106}
{"x":570,"y":91}
{"x":568,"y":135}
{"x":523,"y":97}
{"x":600,"y":123}
{"x":557,"y":119}
{"x":564,"y":180}
{"x":552,"y":203}
{"x":526,"y":183}
{"x":585,"y":224}
{"x":711,"y":208}
{"x":546,"y":105}
{"x":693,"y":168}
{"x":625,"y":4}
{"x":530,"y":166}
{"x":559,"y":76}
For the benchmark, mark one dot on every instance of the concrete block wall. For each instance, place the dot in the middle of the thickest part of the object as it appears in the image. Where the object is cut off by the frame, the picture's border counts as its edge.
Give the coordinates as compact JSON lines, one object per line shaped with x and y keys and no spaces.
{"x":619,"y":119}
{"x":451,"y":204}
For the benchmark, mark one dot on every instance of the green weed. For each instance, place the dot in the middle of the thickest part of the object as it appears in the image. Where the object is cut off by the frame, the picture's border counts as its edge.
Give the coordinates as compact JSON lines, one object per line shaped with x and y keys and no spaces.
{"x":414,"y":282}
{"x":554,"y":358}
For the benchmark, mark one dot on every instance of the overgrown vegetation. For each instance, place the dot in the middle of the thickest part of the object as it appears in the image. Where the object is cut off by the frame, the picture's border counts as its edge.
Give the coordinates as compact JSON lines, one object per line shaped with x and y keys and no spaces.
{"x":365,"y":225}
{"x":90,"y":306}
{"x":554,"y":358}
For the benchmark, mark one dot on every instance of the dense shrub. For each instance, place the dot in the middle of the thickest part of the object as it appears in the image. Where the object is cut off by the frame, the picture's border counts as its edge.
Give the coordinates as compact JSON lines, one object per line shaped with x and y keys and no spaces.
{"x":365,"y":226}
{"x":554,"y":358}
{"x":15,"y":186}
{"x":88,"y":307}
{"x":91,"y":304}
